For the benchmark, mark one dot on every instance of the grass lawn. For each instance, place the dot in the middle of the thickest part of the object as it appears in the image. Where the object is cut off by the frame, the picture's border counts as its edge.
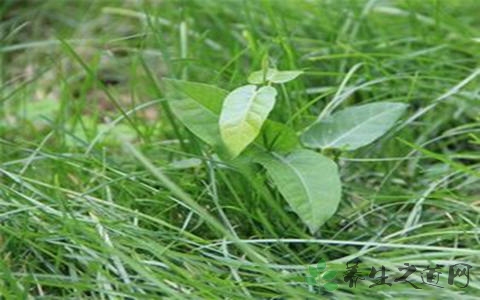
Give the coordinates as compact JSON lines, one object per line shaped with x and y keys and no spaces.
{"x":105,"y":193}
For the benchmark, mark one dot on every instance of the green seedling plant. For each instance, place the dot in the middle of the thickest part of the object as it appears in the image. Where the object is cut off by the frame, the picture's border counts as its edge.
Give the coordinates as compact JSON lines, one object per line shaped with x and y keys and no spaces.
{"x":236,"y":126}
{"x":318,"y":275}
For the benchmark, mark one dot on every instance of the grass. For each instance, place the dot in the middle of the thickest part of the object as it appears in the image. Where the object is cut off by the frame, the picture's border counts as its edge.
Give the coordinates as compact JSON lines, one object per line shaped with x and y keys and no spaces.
{"x":104,"y":195}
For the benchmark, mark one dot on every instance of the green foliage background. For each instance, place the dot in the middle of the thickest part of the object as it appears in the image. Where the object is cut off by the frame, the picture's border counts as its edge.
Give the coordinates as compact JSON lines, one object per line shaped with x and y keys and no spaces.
{"x":104,"y":195}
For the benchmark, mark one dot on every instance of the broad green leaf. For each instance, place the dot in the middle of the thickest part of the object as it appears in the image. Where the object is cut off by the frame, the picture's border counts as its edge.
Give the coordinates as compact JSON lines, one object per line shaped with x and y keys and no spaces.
{"x":277,"y":137}
{"x":330,"y":286}
{"x":322,"y":265}
{"x":244,"y":111}
{"x":353,"y":127}
{"x":197,"y":106}
{"x":313,"y":271}
{"x":273,"y":75}
{"x":329,"y":275}
{"x":199,"y":120}
{"x":308,"y":181}
{"x":310,"y":280}
{"x":209,"y":96}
